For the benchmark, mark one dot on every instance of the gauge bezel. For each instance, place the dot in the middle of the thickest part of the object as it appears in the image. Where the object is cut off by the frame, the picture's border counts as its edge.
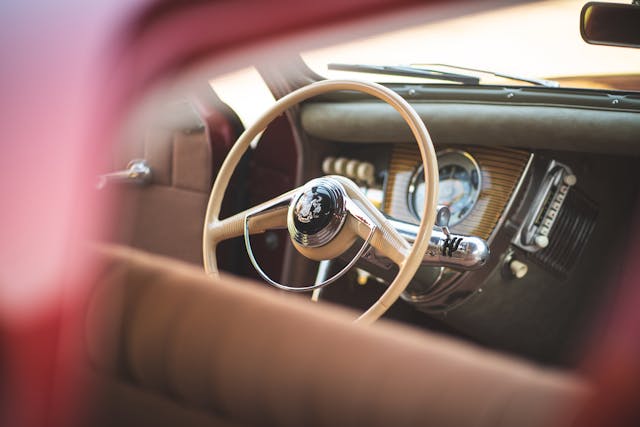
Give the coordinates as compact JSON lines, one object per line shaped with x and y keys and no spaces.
{"x":419,"y":171}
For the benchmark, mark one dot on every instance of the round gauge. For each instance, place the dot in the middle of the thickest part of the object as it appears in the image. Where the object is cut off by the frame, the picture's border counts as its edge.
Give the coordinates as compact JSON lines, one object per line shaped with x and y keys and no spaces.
{"x":459,"y":185}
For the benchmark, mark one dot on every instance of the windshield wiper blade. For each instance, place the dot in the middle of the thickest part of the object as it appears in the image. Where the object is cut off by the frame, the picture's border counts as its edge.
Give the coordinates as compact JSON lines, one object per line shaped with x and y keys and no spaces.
{"x":406,"y":71}
{"x":535,"y":81}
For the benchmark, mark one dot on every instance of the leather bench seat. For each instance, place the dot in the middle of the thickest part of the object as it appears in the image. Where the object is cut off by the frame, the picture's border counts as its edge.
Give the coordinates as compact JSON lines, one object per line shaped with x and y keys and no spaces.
{"x":167,"y":345}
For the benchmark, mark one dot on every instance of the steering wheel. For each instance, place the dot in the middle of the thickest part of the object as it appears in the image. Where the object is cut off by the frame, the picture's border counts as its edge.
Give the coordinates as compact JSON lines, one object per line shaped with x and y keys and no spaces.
{"x":327,"y":215}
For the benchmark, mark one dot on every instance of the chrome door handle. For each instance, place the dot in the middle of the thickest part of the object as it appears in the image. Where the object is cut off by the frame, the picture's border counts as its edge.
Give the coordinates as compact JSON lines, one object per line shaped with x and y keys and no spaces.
{"x":137,"y":172}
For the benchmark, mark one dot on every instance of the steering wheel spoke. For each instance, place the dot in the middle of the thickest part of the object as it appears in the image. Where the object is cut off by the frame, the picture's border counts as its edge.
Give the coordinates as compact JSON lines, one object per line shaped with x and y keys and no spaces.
{"x":269,"y":215}
{"x":370,"y":225}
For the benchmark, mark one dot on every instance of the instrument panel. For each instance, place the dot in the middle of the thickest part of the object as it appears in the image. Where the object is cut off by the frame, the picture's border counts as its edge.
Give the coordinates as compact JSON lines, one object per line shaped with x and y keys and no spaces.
{"x":459,"y":188}
{"x":478,"y":203}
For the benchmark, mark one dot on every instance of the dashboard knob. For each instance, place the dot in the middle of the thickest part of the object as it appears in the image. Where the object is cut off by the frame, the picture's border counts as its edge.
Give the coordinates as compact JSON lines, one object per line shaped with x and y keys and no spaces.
{"x":366,"y":172}
{"x":541,"y":241}
{"x":340,"y":166}
{"x":518,"y":268}
{"x":352,"y":168}
{"x":570,"y":180}
{"x":443,"y":216}
{"x":327,"y":165}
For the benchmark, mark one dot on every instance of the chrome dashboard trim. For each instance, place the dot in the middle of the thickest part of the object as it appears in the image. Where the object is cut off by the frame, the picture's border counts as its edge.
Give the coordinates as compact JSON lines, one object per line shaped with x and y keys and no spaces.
{"x":512,"y":199}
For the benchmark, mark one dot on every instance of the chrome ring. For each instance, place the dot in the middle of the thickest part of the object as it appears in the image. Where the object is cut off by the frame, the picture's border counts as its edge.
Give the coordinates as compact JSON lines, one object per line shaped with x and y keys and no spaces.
{"x":330,"y":280}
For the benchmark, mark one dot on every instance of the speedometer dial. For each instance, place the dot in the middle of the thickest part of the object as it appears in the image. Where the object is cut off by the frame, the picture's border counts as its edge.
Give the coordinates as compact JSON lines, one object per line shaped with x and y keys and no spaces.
{"x":459,"y":185}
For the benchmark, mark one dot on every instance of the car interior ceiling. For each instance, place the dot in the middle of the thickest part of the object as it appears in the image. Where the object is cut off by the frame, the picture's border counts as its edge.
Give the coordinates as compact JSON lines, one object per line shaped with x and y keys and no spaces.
{"x":556,"y":199}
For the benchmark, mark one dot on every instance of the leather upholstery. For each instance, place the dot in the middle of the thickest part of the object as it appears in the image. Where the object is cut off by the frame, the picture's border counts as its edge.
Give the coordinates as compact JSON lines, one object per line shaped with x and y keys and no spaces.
{"x":162,"y":336}
{"x":166,"y":216}
{"x":183,"y":148}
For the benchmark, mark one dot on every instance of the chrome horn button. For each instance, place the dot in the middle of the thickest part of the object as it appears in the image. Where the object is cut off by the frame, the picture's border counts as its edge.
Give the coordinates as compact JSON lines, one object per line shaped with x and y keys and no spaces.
{"x":317,"y":213}
{"x":312,"y":212}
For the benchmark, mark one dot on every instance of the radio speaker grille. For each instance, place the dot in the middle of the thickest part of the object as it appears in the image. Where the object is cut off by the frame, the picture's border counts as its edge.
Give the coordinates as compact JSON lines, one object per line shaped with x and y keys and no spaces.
{"x":569,"y":234}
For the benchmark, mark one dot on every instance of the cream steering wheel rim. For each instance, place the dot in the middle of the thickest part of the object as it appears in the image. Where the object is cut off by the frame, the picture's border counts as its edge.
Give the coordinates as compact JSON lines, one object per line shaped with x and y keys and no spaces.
{"x":412,"y":261}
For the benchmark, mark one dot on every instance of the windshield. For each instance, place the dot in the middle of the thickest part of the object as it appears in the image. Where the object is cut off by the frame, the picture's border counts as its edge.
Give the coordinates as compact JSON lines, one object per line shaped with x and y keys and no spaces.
{"x":534,"y":40}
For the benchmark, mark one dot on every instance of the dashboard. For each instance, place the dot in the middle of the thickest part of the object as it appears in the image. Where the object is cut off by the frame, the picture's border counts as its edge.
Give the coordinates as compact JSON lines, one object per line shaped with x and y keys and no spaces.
{"x":477,"y":184}
{"x":544,"y":194}
{"x":548,"y":178}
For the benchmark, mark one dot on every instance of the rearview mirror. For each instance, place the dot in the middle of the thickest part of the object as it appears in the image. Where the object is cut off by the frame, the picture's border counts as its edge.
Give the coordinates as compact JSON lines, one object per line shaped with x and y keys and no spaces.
{"x":611,"y":24}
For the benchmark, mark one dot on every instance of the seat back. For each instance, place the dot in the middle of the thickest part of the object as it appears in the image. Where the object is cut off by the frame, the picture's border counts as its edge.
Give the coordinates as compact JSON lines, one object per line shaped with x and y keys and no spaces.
{"x":173,"y":343}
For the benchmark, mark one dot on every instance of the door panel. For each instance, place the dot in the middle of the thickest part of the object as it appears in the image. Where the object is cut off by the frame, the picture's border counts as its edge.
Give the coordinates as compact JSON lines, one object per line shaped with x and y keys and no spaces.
{"x":166,"y":215}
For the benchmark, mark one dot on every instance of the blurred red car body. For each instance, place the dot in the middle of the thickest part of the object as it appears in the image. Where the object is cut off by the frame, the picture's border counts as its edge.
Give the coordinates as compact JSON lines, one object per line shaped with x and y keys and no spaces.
{"x":70,"y":72}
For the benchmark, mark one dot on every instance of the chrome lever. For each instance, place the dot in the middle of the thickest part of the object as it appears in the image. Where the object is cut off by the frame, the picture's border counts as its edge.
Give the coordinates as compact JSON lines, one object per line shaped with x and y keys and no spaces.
{"x":445,"y":249}
{"x":137,"y":172}
{"x":443,"y":215}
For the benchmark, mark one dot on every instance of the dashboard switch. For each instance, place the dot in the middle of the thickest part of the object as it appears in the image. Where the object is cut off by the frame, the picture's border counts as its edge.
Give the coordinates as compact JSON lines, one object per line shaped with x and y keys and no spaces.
{"x":361,"y":172}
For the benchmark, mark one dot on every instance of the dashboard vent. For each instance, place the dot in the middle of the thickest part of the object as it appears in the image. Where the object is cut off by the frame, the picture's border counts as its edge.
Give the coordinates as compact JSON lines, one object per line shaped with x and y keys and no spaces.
{"x":570,"y":233}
